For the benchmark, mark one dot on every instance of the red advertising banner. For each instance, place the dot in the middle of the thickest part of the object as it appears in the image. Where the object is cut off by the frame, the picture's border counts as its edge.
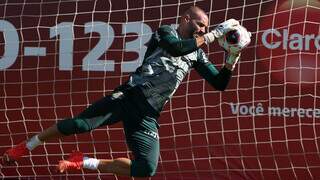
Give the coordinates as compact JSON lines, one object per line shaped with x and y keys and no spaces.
{"x":58,"y":57}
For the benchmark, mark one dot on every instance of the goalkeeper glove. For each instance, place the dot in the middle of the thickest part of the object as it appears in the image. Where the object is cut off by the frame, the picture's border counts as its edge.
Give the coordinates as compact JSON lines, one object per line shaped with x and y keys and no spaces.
{"x":244,"y":41}
{"x":220,"y":30}
{"x":232,"y":60}
{"x":235,"y":50}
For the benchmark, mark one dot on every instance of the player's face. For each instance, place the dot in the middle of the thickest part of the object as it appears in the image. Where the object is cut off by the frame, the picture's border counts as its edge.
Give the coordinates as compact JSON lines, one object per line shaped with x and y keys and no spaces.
{"x":198,"y":25}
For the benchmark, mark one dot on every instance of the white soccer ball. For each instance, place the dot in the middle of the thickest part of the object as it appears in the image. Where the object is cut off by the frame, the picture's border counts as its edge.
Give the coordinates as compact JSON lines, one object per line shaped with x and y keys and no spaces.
{"x":235,"y":40}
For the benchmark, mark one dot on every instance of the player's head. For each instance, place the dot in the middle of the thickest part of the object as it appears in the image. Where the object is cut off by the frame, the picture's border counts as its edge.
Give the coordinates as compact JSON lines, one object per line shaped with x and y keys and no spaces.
{"x":194,"y":22}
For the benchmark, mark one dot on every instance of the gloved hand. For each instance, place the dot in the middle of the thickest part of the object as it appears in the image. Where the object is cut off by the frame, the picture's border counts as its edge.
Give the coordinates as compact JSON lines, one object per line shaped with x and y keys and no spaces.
{"x":235,"y":49}
{"x":220,"y":30}
{"x":244,"y":41}
{"x":232,"y":60}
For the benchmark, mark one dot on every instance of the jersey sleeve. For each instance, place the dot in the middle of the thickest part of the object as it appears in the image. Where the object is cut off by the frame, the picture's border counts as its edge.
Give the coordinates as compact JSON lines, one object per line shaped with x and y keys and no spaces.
{"x":169,"y":40}
{"x":218,"y":79}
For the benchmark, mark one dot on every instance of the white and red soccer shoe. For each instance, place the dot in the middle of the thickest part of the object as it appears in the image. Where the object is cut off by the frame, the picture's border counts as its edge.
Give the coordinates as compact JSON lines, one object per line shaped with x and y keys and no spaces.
{"x":74,"y":162}
{"x":15,"y":153}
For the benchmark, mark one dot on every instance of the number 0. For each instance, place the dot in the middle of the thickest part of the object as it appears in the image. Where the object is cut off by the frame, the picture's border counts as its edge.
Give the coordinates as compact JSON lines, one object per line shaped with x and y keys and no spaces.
{"x":11,"y":46}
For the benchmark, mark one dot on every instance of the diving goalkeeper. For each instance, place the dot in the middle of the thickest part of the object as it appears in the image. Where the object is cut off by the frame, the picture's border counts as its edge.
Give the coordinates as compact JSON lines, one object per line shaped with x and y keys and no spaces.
{"x":170,"y":55}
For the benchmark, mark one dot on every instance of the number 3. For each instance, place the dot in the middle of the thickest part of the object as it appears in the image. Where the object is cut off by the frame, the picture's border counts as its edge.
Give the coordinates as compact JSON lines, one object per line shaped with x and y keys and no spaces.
{"x":138,"y":45}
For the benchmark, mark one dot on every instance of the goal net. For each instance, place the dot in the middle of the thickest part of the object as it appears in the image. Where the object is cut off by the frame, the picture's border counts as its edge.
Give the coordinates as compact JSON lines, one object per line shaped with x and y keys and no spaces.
{"x":57,"y":57}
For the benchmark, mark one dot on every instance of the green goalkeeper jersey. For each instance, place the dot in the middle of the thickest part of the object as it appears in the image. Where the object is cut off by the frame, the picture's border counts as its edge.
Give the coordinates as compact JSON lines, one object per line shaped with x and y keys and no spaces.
{"x":167,"y":61}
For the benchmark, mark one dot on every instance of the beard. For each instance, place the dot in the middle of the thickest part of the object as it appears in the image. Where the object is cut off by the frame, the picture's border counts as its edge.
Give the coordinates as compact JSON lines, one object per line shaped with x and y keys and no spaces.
{"x":194,"y":33}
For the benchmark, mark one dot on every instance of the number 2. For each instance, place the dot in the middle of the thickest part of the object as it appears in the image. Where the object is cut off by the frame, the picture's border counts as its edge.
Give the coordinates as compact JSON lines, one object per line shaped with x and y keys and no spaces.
{"x":91,"y":61}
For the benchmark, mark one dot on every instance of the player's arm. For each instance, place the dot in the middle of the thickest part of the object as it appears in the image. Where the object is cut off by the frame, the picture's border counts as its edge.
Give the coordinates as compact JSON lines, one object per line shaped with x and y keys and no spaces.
{"x":218,"y":79}
{"x":167,"y":40}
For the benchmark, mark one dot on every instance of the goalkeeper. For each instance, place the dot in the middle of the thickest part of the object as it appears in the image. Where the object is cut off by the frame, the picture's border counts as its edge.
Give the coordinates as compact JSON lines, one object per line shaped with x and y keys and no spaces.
{"x":170,"y":55}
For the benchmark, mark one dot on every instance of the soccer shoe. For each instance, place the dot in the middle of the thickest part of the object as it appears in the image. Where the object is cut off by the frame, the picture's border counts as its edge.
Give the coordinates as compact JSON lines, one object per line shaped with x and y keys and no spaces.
{"x":15,"y":153}
{"x":74,"y":162}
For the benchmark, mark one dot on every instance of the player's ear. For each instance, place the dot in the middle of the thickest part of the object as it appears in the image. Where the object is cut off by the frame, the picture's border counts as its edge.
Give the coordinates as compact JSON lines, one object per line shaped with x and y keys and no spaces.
{"x":187,"y":18}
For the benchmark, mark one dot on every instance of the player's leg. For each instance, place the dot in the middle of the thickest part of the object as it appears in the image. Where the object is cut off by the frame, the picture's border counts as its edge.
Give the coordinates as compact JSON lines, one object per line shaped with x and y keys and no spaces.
{"x":143,"y":141}
{"x":141,"y":130}
{"x":76,"y":160}
{"x":144,"y":144}
{"x":102,"y":112}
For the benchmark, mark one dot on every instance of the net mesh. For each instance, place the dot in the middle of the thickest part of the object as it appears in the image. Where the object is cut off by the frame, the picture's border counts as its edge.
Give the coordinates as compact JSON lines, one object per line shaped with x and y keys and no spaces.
{"x":57,"y":57}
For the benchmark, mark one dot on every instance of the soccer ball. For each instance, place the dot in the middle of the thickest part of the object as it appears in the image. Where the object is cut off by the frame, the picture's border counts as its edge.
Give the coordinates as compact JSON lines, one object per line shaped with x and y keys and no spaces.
{"x":235,"y":40}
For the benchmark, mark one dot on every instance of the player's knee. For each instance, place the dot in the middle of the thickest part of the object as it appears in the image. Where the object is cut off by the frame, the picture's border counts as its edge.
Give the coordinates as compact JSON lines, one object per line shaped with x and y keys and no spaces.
{"x":143,"y":168}
{"x":73,"y":126}
{"x":150,"y":169}
{"x":82,"y":126}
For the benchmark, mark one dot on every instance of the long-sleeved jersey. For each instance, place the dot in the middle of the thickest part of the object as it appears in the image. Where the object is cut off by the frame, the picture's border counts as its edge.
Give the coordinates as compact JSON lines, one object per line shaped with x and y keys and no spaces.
{"x":167,"y":61}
